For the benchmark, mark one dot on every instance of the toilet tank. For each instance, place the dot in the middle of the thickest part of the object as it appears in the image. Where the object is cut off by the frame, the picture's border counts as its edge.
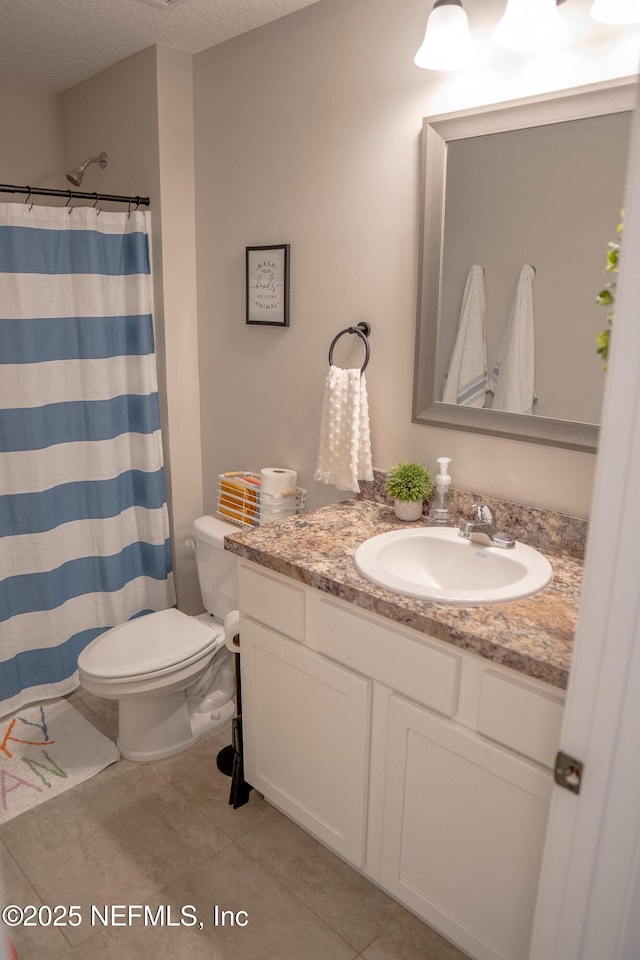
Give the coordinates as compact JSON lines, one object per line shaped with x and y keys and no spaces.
{"x":216,"y":566}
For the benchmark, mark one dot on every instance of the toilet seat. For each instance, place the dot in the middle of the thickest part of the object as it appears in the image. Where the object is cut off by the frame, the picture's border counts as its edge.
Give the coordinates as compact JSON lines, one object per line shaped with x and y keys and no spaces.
{"x":149,"y":646}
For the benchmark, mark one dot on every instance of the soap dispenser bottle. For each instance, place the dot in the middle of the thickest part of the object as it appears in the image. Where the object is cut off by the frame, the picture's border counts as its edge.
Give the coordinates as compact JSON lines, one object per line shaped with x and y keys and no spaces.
{"x":440,"y":513}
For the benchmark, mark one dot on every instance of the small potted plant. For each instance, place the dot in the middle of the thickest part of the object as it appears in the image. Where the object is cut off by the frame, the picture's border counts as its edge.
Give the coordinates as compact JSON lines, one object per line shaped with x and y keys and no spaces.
{"x":409,"y":485}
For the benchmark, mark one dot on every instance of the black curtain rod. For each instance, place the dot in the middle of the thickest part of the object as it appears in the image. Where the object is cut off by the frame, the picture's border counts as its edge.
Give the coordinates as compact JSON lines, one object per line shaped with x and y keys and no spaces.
{"x":73,"y":195}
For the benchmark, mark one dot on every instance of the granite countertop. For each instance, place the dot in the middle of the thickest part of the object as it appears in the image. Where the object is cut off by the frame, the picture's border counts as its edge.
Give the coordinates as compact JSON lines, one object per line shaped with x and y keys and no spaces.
{"x":533,"y":636}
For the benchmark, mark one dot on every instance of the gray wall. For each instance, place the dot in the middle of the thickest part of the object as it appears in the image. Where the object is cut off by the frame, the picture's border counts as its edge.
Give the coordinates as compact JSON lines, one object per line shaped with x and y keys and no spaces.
{"x":32,"y":144}
{"x":308,"y":132}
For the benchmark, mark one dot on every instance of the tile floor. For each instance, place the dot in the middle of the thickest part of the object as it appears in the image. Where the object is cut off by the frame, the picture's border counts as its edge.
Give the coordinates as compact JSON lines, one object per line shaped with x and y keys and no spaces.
{"x":164,"y":835}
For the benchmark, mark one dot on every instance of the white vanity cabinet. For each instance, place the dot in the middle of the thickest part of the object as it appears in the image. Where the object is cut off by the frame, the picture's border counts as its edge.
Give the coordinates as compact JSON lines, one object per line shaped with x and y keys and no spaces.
{"x":306,"y":723}
{"x":464,"y":826}
{"x":426,"y":767}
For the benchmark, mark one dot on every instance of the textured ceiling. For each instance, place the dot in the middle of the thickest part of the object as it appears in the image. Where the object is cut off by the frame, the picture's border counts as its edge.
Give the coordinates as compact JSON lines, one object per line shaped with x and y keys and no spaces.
{"x":53,"y":44}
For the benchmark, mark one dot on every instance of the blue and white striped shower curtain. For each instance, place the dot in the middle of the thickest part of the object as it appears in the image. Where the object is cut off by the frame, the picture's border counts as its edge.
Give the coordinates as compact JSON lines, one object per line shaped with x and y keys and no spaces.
{"x":84,"y":533}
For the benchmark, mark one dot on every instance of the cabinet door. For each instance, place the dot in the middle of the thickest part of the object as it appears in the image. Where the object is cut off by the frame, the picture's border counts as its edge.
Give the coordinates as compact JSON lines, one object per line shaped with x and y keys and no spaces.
{"x":306,"y":724}
{"x":464,"y":828}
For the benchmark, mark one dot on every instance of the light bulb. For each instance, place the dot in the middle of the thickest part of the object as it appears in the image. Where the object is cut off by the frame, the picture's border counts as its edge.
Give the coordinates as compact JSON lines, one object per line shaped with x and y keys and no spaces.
{"x":447,"y":42}
{"x":530,"y":25}
{"x":616,"y":11}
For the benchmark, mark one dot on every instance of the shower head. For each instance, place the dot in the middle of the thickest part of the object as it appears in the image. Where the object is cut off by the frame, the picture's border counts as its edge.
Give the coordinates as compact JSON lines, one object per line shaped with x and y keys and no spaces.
{"x":75,"y":176}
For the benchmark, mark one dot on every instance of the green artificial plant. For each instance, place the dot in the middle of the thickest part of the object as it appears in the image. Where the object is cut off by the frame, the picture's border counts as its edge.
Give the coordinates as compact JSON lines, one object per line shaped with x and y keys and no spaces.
{"x":409,"y":482}
{"x":606,"y":297}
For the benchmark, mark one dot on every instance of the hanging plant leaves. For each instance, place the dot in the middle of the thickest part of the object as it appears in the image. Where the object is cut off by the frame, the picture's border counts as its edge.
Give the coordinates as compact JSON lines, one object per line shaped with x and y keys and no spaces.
{"x":606,"y":297}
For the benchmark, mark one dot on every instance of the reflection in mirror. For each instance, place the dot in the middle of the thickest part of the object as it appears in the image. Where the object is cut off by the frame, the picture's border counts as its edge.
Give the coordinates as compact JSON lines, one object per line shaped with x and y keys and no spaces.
{"x":539,"y":183}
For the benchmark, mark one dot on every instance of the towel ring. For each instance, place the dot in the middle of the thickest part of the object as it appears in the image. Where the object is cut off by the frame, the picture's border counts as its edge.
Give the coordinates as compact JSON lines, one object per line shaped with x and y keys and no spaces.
{"x":362,"y":330}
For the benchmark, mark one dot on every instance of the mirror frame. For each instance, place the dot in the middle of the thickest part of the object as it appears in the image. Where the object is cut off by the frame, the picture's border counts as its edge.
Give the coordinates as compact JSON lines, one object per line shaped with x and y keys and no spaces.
{"x":437,"y":132}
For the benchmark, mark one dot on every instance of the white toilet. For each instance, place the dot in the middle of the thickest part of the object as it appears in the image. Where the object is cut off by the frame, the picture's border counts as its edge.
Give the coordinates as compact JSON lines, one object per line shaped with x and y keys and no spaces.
{"x":172,"y":674}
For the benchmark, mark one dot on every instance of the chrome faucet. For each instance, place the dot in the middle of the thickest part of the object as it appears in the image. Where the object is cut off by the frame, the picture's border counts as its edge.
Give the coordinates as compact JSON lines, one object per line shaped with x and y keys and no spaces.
{"x":482,"y":528}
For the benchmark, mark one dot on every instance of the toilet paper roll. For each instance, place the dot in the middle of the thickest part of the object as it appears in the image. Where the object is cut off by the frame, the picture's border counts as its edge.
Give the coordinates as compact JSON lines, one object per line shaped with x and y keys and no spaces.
{"x":231,"y":630}
{"x":277,"y":480}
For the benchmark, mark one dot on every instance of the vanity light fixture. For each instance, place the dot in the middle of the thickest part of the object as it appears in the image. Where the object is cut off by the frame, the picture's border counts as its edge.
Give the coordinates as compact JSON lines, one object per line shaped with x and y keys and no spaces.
{"x":447,"y":42}
{"x":530,"y":25}
{"x":616,"y":11}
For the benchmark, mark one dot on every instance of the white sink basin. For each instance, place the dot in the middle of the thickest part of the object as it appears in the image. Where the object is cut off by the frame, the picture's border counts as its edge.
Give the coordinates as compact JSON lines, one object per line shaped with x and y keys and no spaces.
{"x":435,"y":563}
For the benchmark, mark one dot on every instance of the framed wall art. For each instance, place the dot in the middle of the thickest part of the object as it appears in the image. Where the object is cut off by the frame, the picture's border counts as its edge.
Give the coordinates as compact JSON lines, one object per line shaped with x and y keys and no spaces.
{"x":268,"y":285}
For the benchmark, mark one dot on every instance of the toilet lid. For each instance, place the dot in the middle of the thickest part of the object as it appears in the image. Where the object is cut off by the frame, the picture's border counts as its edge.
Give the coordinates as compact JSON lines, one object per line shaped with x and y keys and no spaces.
{"x":147,"y":644}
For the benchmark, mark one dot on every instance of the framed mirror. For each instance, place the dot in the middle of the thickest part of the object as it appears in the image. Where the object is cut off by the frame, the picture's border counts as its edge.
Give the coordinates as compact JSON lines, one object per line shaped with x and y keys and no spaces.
{"x":536,"y":182}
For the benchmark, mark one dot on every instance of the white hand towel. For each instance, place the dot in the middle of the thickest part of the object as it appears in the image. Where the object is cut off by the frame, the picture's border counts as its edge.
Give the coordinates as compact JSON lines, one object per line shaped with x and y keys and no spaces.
{"x":466,"y":381}
{"x":513,"y":375}
{"x":344,"y":453}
